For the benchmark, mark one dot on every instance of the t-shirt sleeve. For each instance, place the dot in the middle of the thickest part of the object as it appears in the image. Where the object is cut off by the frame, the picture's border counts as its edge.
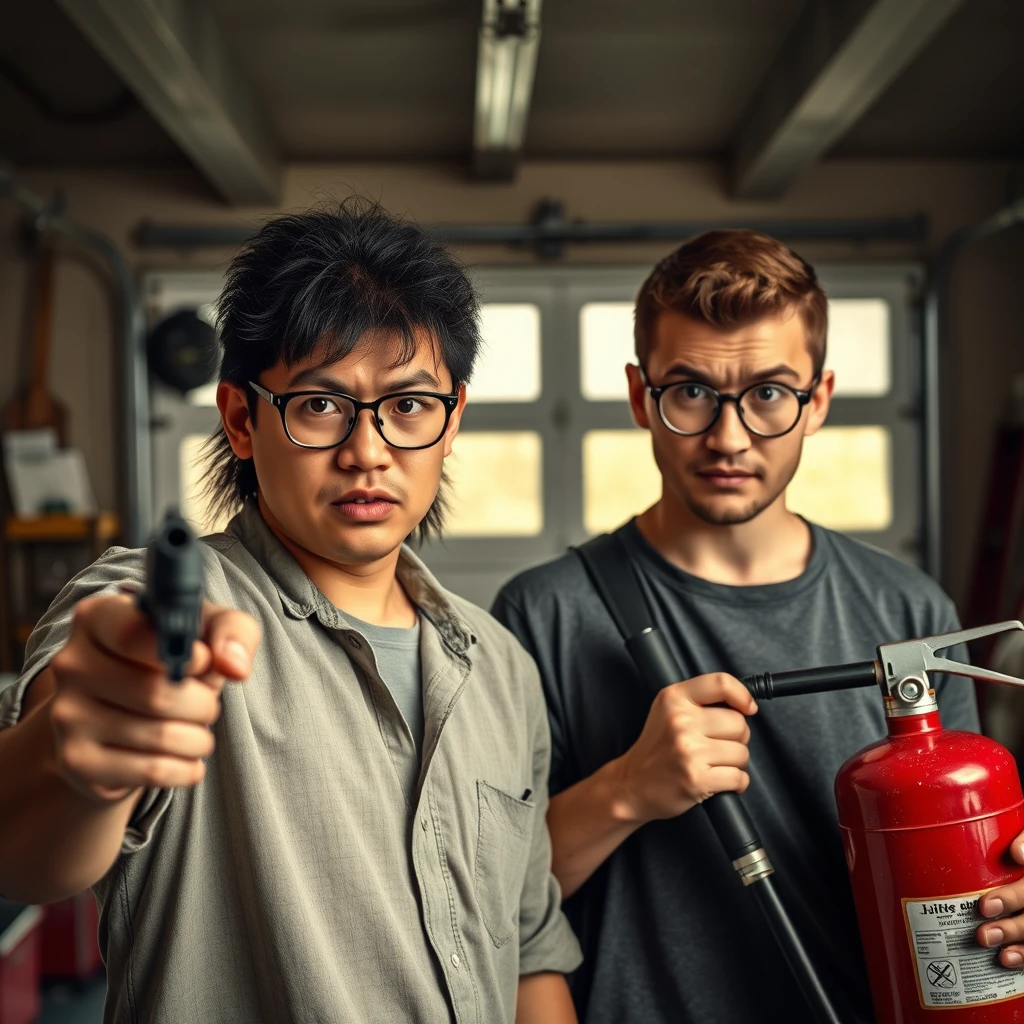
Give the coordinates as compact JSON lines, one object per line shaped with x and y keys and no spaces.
{"x":116,"y":569}
{"x":546,"y":939}
{"x":510,"y":612}
{"x":957,"y":705}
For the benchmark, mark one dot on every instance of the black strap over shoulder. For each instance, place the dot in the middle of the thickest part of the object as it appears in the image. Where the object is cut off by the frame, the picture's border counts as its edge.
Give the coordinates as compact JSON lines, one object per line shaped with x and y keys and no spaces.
{"x":611,"y":571}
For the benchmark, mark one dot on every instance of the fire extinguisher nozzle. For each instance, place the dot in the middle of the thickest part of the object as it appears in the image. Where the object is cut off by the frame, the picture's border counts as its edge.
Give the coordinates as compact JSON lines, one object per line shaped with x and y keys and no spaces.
{"x":768,"y":685}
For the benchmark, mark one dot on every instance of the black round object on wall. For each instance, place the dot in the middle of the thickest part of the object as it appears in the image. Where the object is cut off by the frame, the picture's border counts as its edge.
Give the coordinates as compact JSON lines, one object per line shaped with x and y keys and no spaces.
{"x":182,"y":351}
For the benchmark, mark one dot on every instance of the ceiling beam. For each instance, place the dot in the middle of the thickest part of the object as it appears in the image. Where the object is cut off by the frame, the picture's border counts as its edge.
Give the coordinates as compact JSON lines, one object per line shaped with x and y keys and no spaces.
{"x":838,"y":59}
{"x":506,"y":64}
{"x":171,"y":55}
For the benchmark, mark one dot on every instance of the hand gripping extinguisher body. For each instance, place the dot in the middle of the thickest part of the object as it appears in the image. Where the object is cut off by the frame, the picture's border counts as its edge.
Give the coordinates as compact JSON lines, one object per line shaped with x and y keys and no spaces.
{"x":927,"y":818}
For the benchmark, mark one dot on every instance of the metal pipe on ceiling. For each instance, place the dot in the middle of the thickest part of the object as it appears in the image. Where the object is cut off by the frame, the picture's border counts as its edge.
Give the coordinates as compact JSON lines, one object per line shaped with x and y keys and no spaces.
{"x":935,"y":310}
{"x":550,"y":232}
{"x":136,"y":481}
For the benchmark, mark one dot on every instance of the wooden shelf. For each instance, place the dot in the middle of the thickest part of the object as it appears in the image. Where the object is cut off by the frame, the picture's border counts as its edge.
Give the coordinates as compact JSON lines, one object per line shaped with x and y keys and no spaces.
{"x":103,"y":527}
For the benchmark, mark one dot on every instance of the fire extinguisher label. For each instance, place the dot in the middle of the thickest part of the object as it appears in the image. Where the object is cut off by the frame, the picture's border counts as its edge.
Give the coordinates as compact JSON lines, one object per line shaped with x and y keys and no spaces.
{"x":952,"y":969}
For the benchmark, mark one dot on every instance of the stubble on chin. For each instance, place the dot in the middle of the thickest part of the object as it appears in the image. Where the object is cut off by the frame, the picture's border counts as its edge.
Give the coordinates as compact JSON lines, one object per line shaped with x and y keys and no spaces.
{"x":728,"y":516}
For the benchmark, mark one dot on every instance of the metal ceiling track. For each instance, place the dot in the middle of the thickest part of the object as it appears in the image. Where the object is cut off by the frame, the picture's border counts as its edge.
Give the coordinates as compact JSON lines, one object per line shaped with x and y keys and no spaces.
{"x":550,"y":232}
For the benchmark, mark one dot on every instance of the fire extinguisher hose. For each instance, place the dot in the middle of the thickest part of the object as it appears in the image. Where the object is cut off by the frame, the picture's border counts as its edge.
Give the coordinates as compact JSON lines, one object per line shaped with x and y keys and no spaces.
{"x":736,"y":832}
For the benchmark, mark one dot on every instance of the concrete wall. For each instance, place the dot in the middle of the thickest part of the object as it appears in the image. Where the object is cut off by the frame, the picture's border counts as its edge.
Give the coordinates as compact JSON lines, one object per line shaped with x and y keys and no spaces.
{"x":987,"y":302}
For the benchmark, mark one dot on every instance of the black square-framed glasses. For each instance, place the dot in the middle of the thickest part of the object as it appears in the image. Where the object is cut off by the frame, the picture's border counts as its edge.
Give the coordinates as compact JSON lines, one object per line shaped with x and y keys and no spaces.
{"x":409,"y":420}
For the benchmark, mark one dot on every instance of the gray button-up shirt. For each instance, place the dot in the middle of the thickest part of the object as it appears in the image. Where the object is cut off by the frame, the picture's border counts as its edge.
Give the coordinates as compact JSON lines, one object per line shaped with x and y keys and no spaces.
{"x":321,"y":872}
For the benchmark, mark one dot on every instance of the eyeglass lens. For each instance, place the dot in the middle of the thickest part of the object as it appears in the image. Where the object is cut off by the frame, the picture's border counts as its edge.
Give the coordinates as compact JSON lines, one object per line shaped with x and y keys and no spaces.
{"x":406,"y":421}
{"x":765,"y":409}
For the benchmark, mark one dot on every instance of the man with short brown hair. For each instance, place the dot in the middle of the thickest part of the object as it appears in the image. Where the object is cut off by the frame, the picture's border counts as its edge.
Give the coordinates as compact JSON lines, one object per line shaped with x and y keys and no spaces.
{"x":730,"y":340}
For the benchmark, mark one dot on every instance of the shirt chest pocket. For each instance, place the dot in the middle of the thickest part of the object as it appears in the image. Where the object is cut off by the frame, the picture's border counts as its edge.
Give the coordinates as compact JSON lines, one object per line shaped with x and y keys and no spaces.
{"x":504,"y":837}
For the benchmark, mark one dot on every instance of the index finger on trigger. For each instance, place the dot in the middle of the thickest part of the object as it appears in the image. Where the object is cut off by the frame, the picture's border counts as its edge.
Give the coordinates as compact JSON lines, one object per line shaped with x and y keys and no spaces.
{"x":233,"y":637}
{"x":116,"y":624}
{"x":120,"y":628}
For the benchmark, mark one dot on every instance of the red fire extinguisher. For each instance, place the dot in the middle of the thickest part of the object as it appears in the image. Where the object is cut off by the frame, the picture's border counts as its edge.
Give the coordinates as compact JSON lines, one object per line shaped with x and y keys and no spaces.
{"x":927,"y":818}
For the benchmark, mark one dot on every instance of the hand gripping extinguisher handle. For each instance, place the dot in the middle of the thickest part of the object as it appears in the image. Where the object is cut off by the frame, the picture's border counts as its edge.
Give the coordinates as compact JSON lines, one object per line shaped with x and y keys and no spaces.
{"x":737,"y":834}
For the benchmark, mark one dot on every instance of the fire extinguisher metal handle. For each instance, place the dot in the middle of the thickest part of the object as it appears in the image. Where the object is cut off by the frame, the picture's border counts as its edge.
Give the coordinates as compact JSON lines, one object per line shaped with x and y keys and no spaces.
{"x":915,"y":659}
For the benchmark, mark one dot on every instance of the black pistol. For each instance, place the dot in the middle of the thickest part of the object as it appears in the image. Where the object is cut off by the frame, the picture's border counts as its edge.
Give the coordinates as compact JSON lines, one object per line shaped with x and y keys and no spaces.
{"x":173,"y":597}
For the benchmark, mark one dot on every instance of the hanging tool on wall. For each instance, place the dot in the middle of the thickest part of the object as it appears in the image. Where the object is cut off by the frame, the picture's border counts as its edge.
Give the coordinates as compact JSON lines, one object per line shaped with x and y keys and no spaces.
{"x":36,"y":407}
{"x":182,"y":351}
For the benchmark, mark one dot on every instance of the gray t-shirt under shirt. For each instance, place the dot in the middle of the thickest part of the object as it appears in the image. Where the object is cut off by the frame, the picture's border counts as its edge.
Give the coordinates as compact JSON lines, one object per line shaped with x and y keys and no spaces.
{"x":397,"y":653}
{"x":668,"y":933}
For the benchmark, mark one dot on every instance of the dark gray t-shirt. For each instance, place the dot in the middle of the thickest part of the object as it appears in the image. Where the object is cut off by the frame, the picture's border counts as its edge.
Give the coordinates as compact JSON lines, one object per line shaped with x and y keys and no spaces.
{"x":667,"y":931}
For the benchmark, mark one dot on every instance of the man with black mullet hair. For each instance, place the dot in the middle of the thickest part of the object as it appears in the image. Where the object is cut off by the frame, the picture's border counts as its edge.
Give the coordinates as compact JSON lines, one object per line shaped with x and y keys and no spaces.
{"x":356,"y":832}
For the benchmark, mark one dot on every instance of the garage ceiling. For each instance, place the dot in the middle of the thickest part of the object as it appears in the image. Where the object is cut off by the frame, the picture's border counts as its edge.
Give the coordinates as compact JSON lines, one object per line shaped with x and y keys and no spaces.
{"x":395,"y":79}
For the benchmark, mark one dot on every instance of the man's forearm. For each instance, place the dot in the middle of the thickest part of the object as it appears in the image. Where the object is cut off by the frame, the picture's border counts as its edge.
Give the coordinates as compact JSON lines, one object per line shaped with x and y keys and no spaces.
{"x":544,"y":999}
{"x":587,"y":823}
{"x":56,"y":842}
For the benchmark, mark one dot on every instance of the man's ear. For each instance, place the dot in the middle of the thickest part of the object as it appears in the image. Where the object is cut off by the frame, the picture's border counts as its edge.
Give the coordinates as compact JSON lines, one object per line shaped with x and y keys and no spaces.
{"x":233,"y":404}
{"x":637,"y":397}
{"x":455,"y":422}
{"x":818,"y":406}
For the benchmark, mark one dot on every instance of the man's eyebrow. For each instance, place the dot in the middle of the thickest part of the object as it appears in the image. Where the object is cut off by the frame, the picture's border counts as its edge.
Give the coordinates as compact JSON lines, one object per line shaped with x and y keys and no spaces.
{"x":416,"y":379}
{"x":769,"y":373}
{"x":689,"y":372}
{"x":315,"y":377}
{"x":782,"y":370}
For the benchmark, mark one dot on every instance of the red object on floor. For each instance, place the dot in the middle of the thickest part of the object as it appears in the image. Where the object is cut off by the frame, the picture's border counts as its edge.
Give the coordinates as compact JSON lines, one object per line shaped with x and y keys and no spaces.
{"x":69,"y":938}
{"x":20,"y":944}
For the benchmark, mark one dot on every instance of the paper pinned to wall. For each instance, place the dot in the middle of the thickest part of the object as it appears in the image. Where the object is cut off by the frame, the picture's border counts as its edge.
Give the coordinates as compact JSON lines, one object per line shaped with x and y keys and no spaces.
{"x":44,"y":478}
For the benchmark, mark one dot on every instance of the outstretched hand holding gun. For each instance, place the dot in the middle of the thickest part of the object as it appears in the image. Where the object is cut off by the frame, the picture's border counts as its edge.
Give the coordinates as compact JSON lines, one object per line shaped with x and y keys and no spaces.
{"x":137,"y":686}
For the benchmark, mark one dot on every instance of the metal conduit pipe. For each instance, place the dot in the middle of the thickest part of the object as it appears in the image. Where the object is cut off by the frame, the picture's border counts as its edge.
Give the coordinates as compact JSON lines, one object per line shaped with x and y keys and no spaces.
{"x":137,"y":481}
{"x":550,"y":232}
{"x":935,"y":300}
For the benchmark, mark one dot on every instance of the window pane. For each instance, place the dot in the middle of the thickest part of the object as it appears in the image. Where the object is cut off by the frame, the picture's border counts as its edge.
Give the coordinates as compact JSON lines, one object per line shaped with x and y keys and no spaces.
{"x":620,"y":477}
{"x":858,"y":346}
{"x":203,"y":396}
{"x":193,"y":507}
{"x":844,"y":480}
{"x":606,"y":345}
{"x":508,"y":367}
{"x":495,"y":485}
